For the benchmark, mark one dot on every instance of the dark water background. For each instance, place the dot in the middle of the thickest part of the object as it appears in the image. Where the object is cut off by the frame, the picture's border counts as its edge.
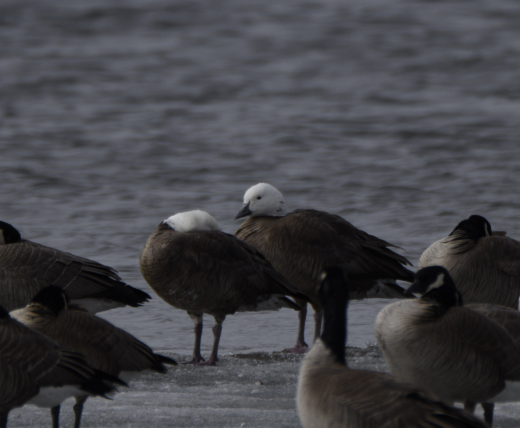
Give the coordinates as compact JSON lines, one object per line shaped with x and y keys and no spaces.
{"x":401,"y":116}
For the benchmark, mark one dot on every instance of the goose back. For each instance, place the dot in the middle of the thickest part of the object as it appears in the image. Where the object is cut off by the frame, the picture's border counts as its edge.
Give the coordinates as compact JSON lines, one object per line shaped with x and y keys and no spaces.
{"x":486,"y":270}
{"x":458,"y":355}
{"x":209,"y":272}
{"x":27,"y":267}
{"x":305,"y":242}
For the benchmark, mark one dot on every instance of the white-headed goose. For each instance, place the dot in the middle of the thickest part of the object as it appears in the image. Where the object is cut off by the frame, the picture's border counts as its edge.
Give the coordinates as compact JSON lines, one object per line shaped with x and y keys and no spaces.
{"x":194,"y":266}
{"x":302,"y":243}
{"x":332,"y":395}
{"x":451,"y":350}
{"x":36,"y":370}
{"x":106,"y":347}
{"x":27,"y":267}
{"x":483,"y":264}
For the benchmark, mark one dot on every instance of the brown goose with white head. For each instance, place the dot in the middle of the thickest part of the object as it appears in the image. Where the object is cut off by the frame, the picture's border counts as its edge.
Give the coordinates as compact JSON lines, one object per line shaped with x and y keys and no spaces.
{"x":302,"y":243}
{"x":330,"y":394}
{"x":106,"y":347}
{"x":27,"y":267}
{"x":483,"y":264}
{"x":194,"y":266}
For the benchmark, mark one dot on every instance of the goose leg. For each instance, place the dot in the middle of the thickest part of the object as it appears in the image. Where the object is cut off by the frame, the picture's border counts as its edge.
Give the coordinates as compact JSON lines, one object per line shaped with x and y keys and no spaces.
{"x":55,"y":414}
{"x":3,"y":419}
{"x":301,"y":347}
{"x":488,"y":412}
{"x":78,"y":410}
{"x":217,"y":331}
{"x":469,"y":406}
{"x":196,"y":357}
{"x":318,"y":316}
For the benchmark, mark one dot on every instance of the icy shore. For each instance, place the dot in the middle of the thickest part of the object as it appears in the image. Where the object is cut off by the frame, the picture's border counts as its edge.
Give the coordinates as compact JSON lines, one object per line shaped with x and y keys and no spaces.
{"x":243,"y":390}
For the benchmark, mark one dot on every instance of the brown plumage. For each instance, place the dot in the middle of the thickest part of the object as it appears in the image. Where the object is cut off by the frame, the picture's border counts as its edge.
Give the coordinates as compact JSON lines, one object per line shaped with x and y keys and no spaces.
{"x":195,"y":267}
{"x":483,"y":264}
{"x":451,"y":350}
{"x":30,"y":362}
{"x":27,"y":267}
{"x":106,"y":347}
{"x":330,"y":394}
{"x":302,"y":243}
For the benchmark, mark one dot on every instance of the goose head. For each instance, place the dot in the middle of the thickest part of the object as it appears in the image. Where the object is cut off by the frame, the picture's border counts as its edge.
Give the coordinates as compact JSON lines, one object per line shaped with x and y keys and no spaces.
{"x":474,"y":228}
{"x":52,"y":298}
{"x":262,"y":200}
{"x":434,"y":283}
{"x":8,"y":234}
{"x":192,"y":221}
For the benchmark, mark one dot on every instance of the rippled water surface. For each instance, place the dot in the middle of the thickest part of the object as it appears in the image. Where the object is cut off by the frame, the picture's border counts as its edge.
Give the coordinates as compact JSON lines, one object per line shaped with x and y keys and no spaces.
{"x":401,"y":116}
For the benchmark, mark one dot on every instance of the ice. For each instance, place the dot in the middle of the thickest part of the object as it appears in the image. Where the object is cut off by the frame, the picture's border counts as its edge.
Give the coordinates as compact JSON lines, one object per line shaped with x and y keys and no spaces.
{"x":243,"y":390}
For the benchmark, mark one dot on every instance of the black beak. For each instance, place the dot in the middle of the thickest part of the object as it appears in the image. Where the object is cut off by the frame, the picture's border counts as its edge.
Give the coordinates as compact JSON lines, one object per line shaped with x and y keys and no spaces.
{"x":244,"y":212}
{"x":414,"y":288}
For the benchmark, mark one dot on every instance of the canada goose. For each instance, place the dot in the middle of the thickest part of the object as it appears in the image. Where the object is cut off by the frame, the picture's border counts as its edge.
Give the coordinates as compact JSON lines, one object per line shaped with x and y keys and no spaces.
{"x":302,"y":243}
{"x":329,"y":394}
{"x":451,"y":350}
{"x":26,"y":267}
{"x":483,"y":264}
{"x":106,"y":347}
{"x":36,"y":370}
{"x":194,"y":266}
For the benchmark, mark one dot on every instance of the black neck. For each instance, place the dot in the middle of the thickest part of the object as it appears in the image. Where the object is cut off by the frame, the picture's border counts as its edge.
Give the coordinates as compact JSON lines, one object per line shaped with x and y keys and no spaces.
{"x":335,"y":303}
{"x":446,"y":296}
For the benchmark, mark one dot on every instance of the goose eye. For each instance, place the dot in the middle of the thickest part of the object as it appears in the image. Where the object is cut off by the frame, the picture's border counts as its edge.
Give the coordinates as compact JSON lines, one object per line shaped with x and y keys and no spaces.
{"x":259,"y":197}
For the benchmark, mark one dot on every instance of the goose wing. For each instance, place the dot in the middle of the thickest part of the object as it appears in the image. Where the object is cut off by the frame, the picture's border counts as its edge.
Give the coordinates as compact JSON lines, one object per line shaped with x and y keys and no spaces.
{"x":27,"y":267}
{"x":305,"y":242}
{"x":107,"y":348}
{"x":369,"y":399}
{"x":506,"y":317}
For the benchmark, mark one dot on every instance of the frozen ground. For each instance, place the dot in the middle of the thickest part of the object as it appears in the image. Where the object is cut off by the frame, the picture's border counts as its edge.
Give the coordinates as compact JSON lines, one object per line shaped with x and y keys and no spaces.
{"x":244,"y":390}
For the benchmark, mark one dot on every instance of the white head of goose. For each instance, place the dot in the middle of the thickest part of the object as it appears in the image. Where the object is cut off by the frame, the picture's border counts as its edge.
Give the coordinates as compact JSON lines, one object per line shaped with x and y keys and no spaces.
{"x":302,"y":243}
{"x":440,"y":345}
{"x":194,"y":266}
{"x":106,"y":347}
{"x":331,"y":395}
{"x":27,"y":267}
{"x":36,"y":370}
{"x":483,"y":263}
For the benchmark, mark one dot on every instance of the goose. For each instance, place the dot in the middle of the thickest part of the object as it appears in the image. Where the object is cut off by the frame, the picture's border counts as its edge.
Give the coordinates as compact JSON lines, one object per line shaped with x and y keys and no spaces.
{"x":194,"y":266}
{"x":449,"y":349}
{"x":302,"y":243}
{"x":330,"y":394}
{"x":106,"y":347}
{"x":36,"y":370}
{"x":27,"y":267}
{"x":483,"y":263}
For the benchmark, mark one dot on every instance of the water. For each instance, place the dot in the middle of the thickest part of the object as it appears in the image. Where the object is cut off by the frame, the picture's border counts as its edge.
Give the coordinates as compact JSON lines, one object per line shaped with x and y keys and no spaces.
{"x":401,"y":116}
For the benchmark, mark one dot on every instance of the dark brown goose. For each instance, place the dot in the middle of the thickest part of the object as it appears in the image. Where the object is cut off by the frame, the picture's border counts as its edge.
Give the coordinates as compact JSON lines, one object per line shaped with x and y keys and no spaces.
{"x":484,"y":264}
{"x":452,"y":350}
{"x":194,"y":266}
{"x":27,"y":267}
{"x":331,"y":395}
{"x":106,"y":347}
{"x":302,"y":243}
{"x":36,"y":370}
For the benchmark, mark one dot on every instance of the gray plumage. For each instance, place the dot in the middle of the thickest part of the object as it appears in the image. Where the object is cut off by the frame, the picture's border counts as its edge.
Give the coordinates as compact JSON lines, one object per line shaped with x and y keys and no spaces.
{"x":106,"y":347}
{"x":27,"y":267}
{"x":30,"y":363}
{"x":436,"y":343}
{"x":329,"y":394}
{"x":195,"y":267}
{"x":485,"y":265}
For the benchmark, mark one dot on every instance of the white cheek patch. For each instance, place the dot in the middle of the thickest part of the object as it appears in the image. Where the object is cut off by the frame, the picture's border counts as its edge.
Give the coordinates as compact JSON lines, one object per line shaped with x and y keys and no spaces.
{"x":439,"y":282}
